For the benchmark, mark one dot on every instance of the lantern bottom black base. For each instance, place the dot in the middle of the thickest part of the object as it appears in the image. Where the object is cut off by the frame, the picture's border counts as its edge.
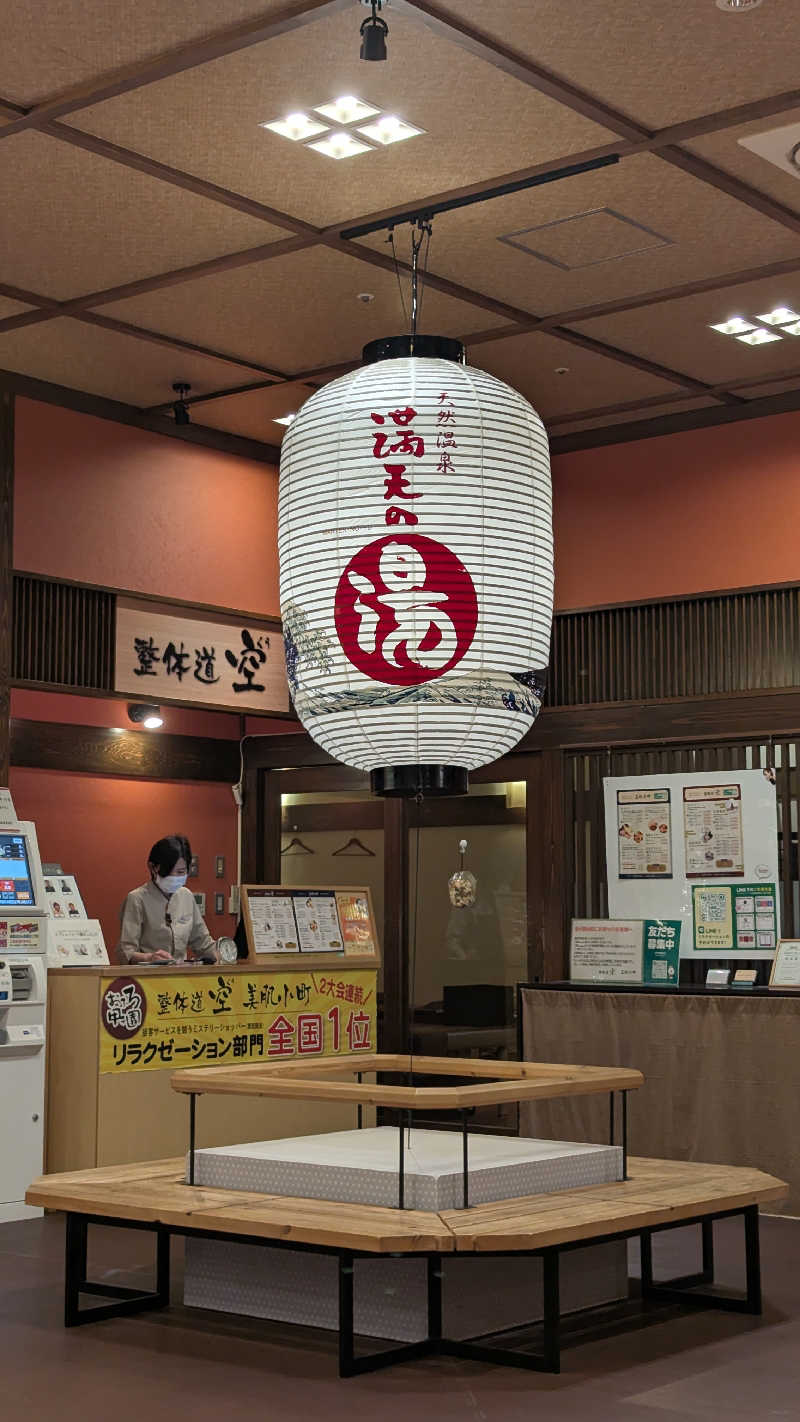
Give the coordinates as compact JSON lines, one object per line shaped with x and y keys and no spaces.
{"x":411,"y":780}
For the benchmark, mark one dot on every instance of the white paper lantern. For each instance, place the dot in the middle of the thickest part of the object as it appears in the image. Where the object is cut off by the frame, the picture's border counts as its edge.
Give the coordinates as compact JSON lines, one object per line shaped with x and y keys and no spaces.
{"x":416,"y":568}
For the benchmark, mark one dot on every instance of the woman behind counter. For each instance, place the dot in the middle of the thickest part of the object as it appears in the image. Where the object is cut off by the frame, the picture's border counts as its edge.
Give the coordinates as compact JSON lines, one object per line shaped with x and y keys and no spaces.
{"x":161,"y":920}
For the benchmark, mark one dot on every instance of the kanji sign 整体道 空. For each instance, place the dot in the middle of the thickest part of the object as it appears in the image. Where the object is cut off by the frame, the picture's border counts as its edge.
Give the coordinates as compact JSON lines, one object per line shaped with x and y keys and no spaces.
{"x":167,"y":652}
{"x":183,"y":1020}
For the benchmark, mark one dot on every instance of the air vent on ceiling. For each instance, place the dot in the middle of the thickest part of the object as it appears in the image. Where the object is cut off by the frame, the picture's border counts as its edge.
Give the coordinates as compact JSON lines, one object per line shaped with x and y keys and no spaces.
{"x":780,"y":146}
{"x":586,"y":238}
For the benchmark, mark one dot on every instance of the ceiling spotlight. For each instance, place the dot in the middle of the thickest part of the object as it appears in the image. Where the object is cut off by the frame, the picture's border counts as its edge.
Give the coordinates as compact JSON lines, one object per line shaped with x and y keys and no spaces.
{"x":346,"y":110}
{"x":284,"y":419}
{"x":145,"y":714}
{"x":340,"y":144}
{"x":735,"y":327}
{"x":734,"y":7}
{"x":759,"y":337}
{"x":180,"y":409}
{"x":373,"y":34}
{"x":389,"y":129}
{"x":781,"y":316}
{"x":296,"y":126}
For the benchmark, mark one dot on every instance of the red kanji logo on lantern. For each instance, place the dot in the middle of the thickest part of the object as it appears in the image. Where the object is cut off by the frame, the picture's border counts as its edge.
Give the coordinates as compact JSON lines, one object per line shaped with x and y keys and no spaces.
{"x":406,"y":609}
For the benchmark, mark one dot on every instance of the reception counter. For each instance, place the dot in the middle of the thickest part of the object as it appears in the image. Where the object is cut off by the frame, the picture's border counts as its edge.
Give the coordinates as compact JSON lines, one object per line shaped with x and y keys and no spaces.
{"x":116,"y":1034}
{"x":721,"y":1069}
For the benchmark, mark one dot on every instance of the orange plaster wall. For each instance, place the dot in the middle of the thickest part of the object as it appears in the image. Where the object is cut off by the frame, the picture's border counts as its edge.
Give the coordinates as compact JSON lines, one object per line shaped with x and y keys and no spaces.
{"x":101,"y":503}
{"x":100,"y":828}
{"x":683,"y":513}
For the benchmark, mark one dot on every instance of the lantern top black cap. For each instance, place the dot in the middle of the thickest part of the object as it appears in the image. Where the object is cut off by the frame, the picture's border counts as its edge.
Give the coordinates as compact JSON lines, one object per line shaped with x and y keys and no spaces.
{"x":409,"y":781}
{"x":399,"y":347}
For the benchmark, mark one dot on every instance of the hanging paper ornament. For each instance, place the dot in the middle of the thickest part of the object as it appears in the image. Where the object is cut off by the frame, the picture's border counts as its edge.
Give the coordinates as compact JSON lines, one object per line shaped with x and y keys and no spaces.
{"x":416,"y":566}
{"x":462,"y":886}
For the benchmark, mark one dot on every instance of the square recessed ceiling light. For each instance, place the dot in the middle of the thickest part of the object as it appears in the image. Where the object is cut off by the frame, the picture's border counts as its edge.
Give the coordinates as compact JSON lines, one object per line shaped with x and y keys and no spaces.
{"x":758,"y":337}
{"x":734,"y":327}
{"x":341,"y":145}
{"x":793,"y":330}
{"x":389,"y":129}
{"x":780,"y":316}
{"x":346,"y":110}
{"x":296,"y":126}
{"x":284,"y":419}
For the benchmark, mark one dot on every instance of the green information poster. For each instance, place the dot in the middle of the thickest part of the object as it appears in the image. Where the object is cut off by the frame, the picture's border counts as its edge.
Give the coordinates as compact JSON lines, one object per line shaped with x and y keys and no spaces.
{"x":736,"y":918}
{"x":661,"y":955}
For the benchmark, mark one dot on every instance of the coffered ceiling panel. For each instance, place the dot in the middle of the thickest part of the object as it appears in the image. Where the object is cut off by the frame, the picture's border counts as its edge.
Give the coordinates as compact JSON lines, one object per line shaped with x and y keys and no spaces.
{"x":11,"y":308}
{"x":74,"y":223}
{"x":725,"y":151}
{"x":295,"y":312}
{"x":681,"y":337}
{"x":254,"y":413}
{"x":51,"y":45}
{"x":634,"y":227}
{"x":659,"y":61}
{"x":83,"y":357}
{"x":478,"y":121}
{"x":531,"y":363}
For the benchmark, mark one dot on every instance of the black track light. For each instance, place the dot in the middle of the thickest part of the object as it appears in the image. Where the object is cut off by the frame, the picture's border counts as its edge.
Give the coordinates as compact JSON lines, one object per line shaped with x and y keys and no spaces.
{"x":373,"y":34}
{"x":180,"y":409}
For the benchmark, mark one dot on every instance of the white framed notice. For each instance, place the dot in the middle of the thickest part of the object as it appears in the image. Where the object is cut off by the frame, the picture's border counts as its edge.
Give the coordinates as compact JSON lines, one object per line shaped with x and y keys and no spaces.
{"x":723,"y":834}
{"x":786,"y":964}
{"x":605,"y":951}
{"x":75,"y":945}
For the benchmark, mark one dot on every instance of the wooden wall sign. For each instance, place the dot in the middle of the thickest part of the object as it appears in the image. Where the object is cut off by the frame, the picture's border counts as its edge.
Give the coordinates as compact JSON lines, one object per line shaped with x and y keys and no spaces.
{"x":166,"y":652}
{"x":319,"y":926}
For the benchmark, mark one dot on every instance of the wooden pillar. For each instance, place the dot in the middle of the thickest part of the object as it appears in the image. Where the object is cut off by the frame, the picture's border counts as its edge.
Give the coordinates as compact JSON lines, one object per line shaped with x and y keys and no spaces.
{"x":549,"y":860}
{"x":6,"y":570}
{"x":395,"y":926}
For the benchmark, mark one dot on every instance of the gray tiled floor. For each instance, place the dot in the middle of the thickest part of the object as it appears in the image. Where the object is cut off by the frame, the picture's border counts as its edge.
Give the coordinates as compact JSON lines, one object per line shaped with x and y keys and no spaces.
{"x":182,"y":1364}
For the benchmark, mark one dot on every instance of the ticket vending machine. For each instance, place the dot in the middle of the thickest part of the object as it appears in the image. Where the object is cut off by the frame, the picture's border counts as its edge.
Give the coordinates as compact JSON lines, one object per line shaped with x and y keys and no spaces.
{"x":23,"y":999}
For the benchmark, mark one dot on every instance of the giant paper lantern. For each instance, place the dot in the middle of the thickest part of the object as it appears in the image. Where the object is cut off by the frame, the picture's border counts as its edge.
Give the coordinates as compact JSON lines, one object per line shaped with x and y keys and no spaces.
{"x":416,"y":566}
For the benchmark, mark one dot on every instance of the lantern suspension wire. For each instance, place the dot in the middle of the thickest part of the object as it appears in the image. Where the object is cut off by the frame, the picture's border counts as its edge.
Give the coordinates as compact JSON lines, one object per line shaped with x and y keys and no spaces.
{"x":418,"y":234}
{"x":390,"y":240}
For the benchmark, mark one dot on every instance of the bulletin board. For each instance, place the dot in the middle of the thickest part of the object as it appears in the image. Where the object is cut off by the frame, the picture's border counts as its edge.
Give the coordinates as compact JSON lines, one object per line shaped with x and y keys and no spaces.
{"x":316,"y":926}
{"x":699,"y":847}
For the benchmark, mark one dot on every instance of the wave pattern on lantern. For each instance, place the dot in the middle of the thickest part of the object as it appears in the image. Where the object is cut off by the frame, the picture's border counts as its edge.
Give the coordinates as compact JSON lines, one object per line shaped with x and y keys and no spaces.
{"x":416,"y":557}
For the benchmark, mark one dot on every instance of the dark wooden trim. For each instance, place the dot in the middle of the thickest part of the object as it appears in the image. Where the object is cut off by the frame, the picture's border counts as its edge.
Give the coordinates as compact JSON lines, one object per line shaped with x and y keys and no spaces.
{"x":95,"y":750}
{"x":745,"y":714}
{"x":6,"y":575}
{"x":155,"y":338}
{"x":176,"y":61}
{"x":236,"y":612}
{"x":396,"y":926}
{"x":663,"y":372}
{"x":724,"y":182}
{"x":368,"y":814}
{"x":547,"y":854}
{"x":104,"y":409}
{"x":676,"y":424}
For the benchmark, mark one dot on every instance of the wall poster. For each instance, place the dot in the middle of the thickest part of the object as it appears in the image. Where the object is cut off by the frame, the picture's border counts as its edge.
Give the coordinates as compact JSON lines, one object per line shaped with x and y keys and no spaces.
{"x":712,"y":831}
{"x":644,"y":827}
{"x":634,"y":951}
{"x":722,"y":839}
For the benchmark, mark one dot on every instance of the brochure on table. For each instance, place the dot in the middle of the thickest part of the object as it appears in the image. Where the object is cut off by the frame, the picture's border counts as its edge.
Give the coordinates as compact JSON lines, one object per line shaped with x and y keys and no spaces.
{"x":701,"y":848}
{"x":311,"y":923}
{"x":634,"y":951}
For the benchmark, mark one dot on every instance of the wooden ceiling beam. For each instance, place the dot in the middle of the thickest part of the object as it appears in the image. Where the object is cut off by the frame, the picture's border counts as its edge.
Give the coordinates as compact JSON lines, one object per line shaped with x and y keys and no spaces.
{"x":176,"y":61}
{"x":676,"y":424}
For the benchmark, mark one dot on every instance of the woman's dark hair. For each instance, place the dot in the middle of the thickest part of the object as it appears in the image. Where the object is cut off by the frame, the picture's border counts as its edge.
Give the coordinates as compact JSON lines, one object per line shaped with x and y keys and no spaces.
{"x":167,"y":851}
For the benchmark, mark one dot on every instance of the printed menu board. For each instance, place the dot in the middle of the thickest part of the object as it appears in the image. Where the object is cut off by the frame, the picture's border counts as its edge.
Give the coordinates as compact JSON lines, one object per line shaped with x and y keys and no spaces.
{"x":273,"y":924}
{"x":281,"y":920}
{"x":735,"y":917}
{"x":644,"y":834}
{"x":318,"y":921}
{"x":712,"y":831}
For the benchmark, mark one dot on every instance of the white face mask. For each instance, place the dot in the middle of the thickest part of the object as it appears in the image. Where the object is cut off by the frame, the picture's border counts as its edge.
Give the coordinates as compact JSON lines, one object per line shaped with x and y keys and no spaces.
{"x":171,"y":883}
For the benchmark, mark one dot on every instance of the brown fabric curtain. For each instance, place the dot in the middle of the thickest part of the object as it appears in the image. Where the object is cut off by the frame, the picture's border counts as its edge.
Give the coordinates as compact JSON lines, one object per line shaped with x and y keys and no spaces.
{"x":722,"y":1075}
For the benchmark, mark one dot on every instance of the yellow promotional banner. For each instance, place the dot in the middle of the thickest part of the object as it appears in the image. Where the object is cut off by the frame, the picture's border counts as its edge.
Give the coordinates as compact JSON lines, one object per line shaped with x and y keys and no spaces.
{"x":183,"y":1020}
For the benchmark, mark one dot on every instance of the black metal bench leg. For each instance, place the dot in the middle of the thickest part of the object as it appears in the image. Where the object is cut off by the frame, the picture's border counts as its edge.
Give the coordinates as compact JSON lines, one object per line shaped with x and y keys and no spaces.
{"x":434,"y":1297}
{"x":646,"y":1249}
{"x":708,"y":1251}
{"x":121,"y":1300}
{"x":752,"y":1259}
{"x":346,"y":1339}
{"x":552,"y":1311}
